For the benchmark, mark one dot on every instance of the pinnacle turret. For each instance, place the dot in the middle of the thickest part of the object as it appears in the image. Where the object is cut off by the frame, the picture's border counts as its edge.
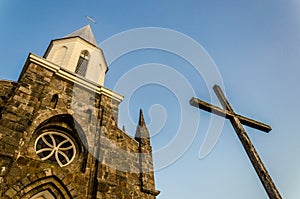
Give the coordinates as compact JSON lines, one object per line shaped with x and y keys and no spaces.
{"x":145,"y":156}
{"x":142,"y":133}
{"x":141,"y":119}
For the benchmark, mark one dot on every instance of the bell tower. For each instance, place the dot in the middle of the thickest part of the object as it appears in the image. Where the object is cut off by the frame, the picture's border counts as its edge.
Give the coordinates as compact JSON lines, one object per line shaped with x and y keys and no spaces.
{"x":79,"y":53}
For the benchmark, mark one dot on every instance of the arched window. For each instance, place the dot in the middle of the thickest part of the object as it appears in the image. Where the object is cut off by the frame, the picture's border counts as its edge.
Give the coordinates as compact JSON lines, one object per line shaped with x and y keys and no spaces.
{"x":82,"y":63}
{"x":53,"y":101}
{"x":89,"y":114}
{"x":60,"y":140}
{"x":55,"y":147}
{"x":60,"y":55}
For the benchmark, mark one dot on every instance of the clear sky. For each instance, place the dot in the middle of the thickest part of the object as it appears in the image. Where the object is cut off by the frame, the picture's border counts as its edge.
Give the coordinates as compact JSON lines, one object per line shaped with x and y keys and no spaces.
{"x":255,"y":46}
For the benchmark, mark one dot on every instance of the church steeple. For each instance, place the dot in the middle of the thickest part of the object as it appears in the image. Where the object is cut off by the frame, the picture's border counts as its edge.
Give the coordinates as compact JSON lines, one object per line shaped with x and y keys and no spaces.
{"x":79,"y":53}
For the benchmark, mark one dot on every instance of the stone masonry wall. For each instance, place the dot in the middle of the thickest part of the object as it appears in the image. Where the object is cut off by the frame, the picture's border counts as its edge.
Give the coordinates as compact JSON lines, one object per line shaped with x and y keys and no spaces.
{"x":89,"y":119}
{"x":6,"y":90}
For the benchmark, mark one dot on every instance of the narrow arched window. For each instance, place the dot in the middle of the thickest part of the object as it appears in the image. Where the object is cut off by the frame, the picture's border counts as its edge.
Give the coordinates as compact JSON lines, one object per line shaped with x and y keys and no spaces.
{"x":53,"y":101}
{"x":60,"y":55}
{"x":89,"y":114}
{"x":82,"y":63}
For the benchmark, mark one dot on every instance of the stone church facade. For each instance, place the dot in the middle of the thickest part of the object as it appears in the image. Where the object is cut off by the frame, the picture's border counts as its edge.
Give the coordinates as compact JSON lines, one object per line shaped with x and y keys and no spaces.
{"x":59,"y":135}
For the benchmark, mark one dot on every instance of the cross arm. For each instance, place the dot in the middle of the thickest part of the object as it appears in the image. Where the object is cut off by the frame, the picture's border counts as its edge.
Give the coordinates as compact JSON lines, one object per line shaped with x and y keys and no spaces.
{"x":224,"y":113}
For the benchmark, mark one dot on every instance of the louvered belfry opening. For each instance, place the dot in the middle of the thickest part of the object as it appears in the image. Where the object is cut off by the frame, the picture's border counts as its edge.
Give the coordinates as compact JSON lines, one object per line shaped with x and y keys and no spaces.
{"x":82,"y":63}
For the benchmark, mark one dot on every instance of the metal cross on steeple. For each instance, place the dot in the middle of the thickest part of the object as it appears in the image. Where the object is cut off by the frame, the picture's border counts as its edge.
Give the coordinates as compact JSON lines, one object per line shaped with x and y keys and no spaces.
{"x":237,"y":121}
{"x":90,"y":19}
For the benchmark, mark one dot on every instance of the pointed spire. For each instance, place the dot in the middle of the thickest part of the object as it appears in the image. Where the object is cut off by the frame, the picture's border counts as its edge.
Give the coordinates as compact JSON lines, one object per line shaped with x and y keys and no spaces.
{"x":123,"y":128}
{"x":85,"y":33}
{"x":145,"y":157}
{"x":141,"y":119}
{"x":142,"y":133}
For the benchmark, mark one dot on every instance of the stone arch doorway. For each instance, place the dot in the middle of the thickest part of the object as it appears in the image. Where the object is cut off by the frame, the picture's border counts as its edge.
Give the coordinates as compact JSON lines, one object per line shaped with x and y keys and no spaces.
{"x":43,"y":195}
{"x":46,"y":188}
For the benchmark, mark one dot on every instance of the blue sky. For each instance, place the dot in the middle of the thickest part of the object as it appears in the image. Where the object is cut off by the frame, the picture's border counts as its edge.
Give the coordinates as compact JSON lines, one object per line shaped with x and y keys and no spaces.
{"x":255,"y":46}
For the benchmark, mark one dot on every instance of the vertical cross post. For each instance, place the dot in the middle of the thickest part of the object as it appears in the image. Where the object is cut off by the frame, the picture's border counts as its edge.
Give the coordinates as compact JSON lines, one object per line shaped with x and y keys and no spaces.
{"x":237,"y":121}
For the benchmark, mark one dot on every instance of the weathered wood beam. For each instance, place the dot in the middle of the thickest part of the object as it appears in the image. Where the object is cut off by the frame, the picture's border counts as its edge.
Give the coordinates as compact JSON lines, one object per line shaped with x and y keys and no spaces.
{"x":224,"y":113}
{"x":237,"y":121}
{"x":258,"y":165}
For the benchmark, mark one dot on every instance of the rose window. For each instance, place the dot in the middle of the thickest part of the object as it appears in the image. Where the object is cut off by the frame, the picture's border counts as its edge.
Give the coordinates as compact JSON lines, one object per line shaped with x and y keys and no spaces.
{"x":55,"y":147}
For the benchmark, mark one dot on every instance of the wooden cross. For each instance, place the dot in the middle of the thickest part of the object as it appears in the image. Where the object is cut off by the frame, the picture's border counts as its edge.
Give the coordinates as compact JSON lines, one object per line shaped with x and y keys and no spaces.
{"x":237,"y":121}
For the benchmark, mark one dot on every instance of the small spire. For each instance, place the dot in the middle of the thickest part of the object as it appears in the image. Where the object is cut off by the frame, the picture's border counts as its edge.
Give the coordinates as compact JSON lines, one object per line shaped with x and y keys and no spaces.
{"x":141,"y":119}
{"x":142,"y":133}
{"x":123,"y":128}
{"x":85,"y":33}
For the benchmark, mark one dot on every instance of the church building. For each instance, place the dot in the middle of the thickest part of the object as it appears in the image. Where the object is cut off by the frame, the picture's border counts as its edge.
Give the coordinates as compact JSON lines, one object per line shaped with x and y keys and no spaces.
{"x":59,"y":134}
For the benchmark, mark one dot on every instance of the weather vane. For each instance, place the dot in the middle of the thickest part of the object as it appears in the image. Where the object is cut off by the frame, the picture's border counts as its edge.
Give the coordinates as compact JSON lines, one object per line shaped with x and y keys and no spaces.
{"x":90,"y":19}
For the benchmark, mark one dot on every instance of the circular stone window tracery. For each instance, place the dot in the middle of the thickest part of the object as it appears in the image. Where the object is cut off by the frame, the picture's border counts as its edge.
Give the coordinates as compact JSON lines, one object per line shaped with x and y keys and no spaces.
{"x":55,"y":147}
